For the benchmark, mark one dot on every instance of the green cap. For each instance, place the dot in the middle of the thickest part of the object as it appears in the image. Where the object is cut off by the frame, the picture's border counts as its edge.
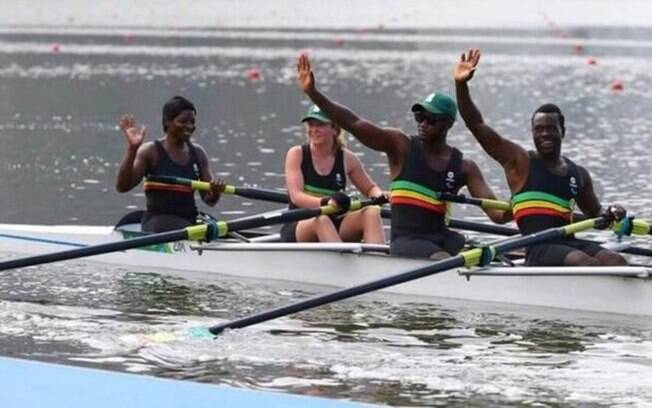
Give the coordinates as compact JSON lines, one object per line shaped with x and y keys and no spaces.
{"x":439,"y":104}
{"x":315,"y":113}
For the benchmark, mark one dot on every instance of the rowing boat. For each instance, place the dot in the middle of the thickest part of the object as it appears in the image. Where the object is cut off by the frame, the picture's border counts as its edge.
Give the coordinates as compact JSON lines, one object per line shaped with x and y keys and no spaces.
{"x":624,"y":290}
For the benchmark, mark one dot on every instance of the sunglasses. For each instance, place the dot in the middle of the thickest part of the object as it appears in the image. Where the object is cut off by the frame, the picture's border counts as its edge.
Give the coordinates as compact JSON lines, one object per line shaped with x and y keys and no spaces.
{"x":430,"y":118}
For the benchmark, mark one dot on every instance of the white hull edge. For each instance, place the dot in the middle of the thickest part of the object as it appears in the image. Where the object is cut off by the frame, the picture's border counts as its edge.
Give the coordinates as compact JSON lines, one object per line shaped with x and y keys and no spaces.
{"x":623,"y":290}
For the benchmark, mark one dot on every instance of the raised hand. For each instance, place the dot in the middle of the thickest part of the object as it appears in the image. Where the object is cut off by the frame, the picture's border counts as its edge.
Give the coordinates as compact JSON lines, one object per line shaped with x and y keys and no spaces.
{"x":305,"y":77}
{"x":133,"y":134}
{"x":467,"y":65}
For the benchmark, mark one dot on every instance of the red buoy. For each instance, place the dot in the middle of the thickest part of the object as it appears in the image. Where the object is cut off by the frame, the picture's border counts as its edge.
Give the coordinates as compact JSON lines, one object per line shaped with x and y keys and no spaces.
{"x":253,"y":74}
{"x":592,"y":61}
{"x":617,"y":85}
{"x":56,"y":47}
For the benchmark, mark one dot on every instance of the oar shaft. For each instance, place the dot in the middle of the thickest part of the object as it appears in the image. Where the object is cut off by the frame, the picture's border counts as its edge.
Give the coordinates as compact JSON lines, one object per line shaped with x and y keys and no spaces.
{"x":486,"y":203}
{"x":258,"y":194}
{"x":507,"y":231}
{"x":468,"y":258}
{"x":247,"y":192}
{"x":195,"y":233}
{"x":178,"y":235}
{"x":342,"y":294}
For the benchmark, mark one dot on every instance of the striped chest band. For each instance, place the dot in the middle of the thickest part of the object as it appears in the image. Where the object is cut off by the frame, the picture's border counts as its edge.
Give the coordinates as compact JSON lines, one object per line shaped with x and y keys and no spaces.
{"x":539,"y":203}
{"x":413,"y":194}
{"x":175,"y":188}
{"x":317,"y":192}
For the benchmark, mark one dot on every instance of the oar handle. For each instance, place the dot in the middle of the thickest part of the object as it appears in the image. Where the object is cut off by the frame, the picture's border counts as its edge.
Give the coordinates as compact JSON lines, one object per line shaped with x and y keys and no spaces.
{"x":486,"y":203}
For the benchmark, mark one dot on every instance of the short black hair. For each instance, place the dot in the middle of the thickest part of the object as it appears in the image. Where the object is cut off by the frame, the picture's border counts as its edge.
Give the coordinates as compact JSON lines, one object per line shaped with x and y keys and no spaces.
{"x":174,"y":107}
{"x":551,"y":108}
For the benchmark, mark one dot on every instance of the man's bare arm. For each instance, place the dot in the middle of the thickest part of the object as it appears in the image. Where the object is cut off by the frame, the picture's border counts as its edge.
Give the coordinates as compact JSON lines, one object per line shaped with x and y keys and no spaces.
{"x":511,"y":156}
{"x":391,"y":141}
{"x":479,"y":188}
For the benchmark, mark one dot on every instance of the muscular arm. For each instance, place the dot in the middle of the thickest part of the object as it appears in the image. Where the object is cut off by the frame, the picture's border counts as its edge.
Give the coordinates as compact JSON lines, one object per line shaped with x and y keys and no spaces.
{"x":391,"y":141}
{"x":388,"y":140}
{"x":359,"y":176}
{"x":512,"y":157}
{"x":294,"y":180}
{"x":478,"y":187}
{"x":133,"y":167}
{"x":586,"y":198}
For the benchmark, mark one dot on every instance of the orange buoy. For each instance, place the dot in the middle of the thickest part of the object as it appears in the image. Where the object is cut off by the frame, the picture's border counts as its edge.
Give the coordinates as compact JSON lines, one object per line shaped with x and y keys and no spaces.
{"x":617,"y":85}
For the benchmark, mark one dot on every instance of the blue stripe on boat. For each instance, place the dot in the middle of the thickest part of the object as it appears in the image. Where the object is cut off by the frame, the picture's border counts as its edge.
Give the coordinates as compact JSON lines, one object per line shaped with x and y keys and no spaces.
{"x":33,"y":384}
{"x":47,"y":241}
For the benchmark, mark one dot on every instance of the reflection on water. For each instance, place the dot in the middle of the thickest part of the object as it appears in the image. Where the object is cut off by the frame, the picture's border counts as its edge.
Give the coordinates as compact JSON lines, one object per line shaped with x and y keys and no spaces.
{"x":58,"y":112}
{"x":380,"y":348}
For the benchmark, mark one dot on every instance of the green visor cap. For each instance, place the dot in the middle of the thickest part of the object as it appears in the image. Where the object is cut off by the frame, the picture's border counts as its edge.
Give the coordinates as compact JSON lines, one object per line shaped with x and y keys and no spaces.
{"x":438,"y":104}
{"x":315,"y":113}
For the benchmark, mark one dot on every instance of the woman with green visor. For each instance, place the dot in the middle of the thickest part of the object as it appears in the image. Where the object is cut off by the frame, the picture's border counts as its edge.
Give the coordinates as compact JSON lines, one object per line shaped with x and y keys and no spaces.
{"x":316,"y":174}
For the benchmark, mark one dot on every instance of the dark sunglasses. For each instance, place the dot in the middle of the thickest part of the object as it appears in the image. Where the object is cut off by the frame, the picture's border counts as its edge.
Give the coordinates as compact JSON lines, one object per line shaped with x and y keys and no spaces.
{"x":430,"y":118}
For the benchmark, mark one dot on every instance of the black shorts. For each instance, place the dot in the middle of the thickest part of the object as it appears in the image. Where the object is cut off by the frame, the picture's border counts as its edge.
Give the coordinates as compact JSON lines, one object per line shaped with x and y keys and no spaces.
{"x":425,"y":245}
{"x":554,"y":253}
{"x":152,"y":222}
{"x":289,"y":230}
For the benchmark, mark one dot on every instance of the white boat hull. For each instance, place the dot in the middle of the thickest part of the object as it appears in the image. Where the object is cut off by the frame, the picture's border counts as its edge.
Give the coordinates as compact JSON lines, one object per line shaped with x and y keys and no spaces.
{"x":628,"y":293}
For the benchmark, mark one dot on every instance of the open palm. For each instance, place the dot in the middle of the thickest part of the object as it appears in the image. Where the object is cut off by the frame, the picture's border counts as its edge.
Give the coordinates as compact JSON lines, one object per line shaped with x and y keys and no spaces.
{"x":305,"y":78}
{"x":467,"y":65}
{"x":134,"y":134}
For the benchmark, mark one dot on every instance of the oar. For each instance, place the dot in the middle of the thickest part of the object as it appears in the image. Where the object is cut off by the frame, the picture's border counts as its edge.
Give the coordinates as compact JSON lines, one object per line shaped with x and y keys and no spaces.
{"x":208,"y":232}
{"x":486,"y":203}
{"x":247,"y":192}
{"x":507,"y":231}
{"x":467,"y":258}
{"x":281,"y":197}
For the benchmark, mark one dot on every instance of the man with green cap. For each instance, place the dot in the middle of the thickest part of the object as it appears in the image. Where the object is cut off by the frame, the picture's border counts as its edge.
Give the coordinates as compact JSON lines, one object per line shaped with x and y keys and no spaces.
{"x":420,"y":167}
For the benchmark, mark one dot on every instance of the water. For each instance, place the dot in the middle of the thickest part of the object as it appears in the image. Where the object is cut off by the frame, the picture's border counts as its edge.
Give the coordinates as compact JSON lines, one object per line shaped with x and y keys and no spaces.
{"x":58,"y":112}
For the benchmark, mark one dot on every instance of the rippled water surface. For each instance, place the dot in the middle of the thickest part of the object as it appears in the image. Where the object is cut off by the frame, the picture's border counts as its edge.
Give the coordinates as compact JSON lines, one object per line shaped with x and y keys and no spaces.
{"x":63,"y":85}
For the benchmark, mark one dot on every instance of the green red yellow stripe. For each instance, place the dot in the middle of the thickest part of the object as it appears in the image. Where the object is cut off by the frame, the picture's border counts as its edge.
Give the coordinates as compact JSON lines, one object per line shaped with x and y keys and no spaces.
{"x":408,"y":193}
{"x":540,"y":203}
{"x":177,"y":188}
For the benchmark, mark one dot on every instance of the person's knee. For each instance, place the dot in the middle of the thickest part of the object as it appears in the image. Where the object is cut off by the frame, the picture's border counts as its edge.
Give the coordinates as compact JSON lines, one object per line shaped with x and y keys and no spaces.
{"x":323,"y":221}
{"x":579,"y":258}
{"x":439,"y":255}
{"x":610,"y":258}
{"x":371,"y":212}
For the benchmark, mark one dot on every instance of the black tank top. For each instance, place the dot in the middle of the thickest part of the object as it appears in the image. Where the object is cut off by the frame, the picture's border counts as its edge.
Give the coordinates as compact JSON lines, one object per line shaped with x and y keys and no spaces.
{"x":547,"y":199}
{"x":317,"y":185}
{"x":168,"y":198}
{"x":414,"y":192}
